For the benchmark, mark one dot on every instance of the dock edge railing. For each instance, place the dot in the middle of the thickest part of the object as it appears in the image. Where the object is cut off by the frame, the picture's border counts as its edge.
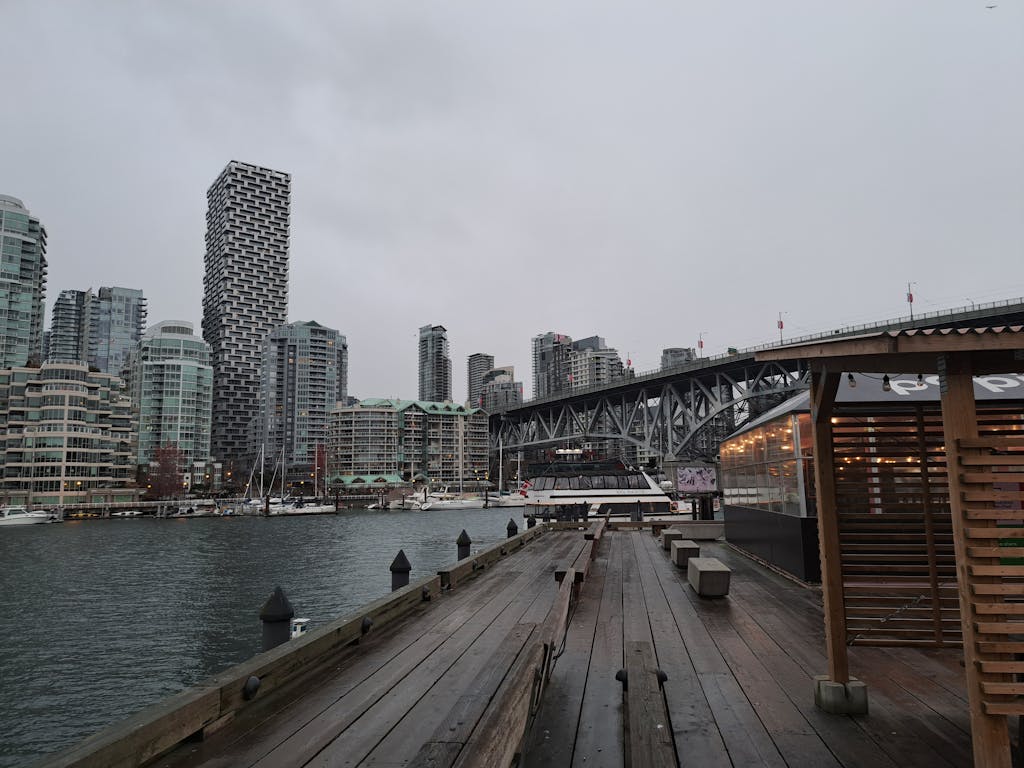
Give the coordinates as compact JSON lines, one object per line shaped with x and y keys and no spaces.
{"x":204,"y":708}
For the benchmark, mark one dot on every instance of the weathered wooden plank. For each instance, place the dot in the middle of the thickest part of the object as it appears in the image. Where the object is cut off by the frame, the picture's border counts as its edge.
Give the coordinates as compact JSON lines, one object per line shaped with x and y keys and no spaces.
{"x":599,"y":737}
{"x":146,"y":734}
{"x":499,"y":734}
{"x":382,"y":702}
{"x":650,"y":732}
{"x":994,"y":514}
{"x":995,"y":443}
{"x":1004,"y":460}
{"x":698,"y":741}
{"x":463,"y":717}
{"x":551,"y":739}
{"x":995,"y":570}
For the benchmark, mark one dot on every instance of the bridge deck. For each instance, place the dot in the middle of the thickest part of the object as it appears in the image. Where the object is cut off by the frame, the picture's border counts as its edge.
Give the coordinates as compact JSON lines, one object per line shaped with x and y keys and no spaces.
{"x":739,"y":688}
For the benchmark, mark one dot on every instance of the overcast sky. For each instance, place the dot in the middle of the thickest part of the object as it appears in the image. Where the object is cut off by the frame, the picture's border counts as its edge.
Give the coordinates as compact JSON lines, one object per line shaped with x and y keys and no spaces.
{"x":641,"y":171}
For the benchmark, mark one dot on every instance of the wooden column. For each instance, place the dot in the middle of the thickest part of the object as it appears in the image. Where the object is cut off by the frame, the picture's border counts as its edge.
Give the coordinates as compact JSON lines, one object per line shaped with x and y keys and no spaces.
{"x":823,"y":396}
{"x":989,"y":733}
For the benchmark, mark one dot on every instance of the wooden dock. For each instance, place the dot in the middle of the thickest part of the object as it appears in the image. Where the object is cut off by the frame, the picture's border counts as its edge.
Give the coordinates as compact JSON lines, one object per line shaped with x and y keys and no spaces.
{"x":738,"y":690}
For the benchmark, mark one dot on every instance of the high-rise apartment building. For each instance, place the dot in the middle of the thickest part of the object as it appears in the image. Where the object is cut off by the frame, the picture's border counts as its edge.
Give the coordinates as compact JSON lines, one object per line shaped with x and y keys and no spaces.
{"x":478,"y":364}
{"x":102,"y":328}
{"x":551,"y":363}
{"x":499,"y":390}
{"x":69,"y":327}
{"x":65,"y":436}
{"x":301,"y":381}
{"x":245,"y":292}
{"x":117,"y":317}
{"x":22,"y":284}
{"x":435,"y":365}
{"x":171,"y":384}
{"x":593,"y":367}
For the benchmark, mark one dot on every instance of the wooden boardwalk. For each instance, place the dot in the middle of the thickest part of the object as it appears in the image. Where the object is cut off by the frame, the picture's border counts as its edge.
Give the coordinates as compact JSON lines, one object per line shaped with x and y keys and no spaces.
{"x":739,"y":689}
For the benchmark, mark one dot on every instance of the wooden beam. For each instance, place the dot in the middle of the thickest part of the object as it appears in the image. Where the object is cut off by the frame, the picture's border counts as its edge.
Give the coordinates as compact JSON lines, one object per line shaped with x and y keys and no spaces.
{"x":989,"y":733}
{"x":824,"y":385}
{"x":650,"y":732}
{"x":885,"y":345}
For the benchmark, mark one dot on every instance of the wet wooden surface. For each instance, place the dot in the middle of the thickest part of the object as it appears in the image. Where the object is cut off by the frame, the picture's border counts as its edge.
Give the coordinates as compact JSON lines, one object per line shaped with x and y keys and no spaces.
{"x":739,"y":689}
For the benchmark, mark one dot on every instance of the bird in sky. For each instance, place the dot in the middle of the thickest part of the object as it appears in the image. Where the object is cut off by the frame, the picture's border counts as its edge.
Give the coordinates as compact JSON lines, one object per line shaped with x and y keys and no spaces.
{"x":990,"y":7}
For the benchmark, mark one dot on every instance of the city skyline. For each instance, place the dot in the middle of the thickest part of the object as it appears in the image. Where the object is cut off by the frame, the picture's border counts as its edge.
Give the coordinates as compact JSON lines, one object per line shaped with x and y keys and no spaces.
{"x":737,"y":162}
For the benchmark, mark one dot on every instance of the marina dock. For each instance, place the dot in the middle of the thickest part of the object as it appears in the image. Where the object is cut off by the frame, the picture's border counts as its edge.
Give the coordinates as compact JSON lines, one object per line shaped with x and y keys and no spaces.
{"x":509,"y":663}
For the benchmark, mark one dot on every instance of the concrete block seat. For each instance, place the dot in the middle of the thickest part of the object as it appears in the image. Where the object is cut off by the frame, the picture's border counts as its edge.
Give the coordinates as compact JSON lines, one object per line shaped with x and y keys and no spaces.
{"x":708,"y":576}
{"x":683,"y":550}
{"x":669,"y":535}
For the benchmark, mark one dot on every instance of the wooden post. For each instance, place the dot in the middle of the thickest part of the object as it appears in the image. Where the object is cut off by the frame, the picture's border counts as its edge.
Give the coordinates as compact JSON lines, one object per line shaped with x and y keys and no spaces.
{"x":276,"y":617}
{"x":400,"y":568}
{"x":989,"y":733}
{"x":824,"y":385}
{"x":462,"y":543}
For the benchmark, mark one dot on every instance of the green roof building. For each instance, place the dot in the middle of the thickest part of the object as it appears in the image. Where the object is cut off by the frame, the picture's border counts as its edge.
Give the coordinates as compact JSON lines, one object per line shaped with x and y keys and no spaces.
{"x":421,"y":441}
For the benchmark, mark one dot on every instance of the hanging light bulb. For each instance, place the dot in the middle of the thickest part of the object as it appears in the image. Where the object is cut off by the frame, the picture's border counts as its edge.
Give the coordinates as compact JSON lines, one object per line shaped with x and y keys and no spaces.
{"x":850,"y":380}
{"x":886,"y":387}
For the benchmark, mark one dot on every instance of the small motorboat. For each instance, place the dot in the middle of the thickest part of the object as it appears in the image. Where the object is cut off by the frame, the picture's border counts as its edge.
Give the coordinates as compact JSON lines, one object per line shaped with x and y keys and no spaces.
{"x":20,"y":515}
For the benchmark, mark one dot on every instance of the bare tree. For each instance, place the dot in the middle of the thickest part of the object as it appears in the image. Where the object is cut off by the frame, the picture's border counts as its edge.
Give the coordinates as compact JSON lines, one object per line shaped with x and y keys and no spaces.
{"x":165,"y":472}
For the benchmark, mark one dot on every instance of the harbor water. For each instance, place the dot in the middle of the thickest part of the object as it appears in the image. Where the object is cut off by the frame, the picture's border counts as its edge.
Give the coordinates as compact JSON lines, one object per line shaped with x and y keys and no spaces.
{"x":100,"y":618}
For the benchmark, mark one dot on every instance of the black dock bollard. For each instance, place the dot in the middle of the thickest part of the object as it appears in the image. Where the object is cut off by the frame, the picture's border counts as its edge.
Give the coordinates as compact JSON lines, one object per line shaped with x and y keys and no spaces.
{"x":400,"y":571}
{"x":511,"y":529}
{"x":463,"y":543}
{"x":276,"y":616}
{"x":531,"y":521}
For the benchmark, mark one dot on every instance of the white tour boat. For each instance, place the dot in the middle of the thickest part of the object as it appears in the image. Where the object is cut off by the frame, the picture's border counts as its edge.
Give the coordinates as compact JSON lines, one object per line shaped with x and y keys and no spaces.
{"x":604,"y":487}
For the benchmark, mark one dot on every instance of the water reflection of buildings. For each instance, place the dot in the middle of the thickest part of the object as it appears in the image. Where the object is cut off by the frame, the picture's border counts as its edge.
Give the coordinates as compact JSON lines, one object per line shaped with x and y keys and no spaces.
{"x":889,"y":459}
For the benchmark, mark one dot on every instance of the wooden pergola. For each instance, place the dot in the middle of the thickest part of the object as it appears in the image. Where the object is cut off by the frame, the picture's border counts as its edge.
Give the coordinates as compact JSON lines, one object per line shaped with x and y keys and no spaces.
{"x":985,"y":471}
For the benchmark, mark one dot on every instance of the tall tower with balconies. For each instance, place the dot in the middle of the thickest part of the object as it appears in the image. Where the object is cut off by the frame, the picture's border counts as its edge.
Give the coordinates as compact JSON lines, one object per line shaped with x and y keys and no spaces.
{"x":245,"y":292}
{"x":435,"y":365}
{"x":22,"y":284}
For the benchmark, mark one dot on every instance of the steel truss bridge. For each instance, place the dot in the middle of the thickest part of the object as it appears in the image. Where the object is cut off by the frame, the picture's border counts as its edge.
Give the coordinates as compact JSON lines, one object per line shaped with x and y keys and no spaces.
{"x":684,"y":412}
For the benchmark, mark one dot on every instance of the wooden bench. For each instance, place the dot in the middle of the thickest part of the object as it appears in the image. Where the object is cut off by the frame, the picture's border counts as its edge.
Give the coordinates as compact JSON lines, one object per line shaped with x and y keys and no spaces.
{"x":683,"y":550}
{"x":487,"y":725}
{"x":708,"y":576}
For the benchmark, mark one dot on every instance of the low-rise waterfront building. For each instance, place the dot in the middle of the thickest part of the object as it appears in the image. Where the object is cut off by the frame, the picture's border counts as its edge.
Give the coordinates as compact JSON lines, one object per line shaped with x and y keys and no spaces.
{"x":65,"y":436}
{"x":421,"y":441}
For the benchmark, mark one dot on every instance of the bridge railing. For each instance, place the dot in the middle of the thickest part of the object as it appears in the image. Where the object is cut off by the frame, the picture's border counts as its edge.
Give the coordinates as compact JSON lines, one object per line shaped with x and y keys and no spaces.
{"x":846,"y":330}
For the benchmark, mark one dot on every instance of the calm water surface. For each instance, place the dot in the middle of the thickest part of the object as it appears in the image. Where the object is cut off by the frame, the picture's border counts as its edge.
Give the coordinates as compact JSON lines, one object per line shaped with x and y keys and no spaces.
{"x":101,"y":618}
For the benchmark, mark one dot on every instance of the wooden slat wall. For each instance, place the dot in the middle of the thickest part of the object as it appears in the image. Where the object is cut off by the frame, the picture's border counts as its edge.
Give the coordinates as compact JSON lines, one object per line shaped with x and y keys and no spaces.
{"x":992,"y":480}
{"x":896,"y":545}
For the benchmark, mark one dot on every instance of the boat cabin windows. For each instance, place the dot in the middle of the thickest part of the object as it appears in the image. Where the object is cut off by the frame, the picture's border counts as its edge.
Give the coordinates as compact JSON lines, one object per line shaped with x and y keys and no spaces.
{"x":589,"y":482}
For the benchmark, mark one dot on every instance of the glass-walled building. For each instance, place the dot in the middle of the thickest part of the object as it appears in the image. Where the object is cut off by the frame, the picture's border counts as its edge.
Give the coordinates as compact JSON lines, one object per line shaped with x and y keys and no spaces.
{"x":767,"y":480}
{"x":889,"y":465}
